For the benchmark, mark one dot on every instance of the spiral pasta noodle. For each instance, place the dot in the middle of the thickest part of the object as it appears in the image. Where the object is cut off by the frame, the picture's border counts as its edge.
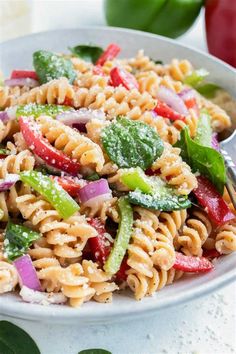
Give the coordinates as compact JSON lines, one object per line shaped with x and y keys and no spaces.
{"x":174,"y":170}
{"x":8,"y":277}
{"x":226,"y":238}
{"x":180,"y":69}
{"x":220,"y":120}
{"x":71,"y":142}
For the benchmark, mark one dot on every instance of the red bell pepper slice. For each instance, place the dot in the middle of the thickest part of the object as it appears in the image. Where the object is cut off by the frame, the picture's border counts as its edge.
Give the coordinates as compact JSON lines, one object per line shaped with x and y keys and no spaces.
{"x":210,"y":199}
{"x":110,"y":53}
{"x":24,"y":74}
{"x":69,"y":184}
{"x":211,"y":253}
{"x":42,"y":148}
{"x":163,"y":110}
{"x":100,"y":247}
{"x":190,"y":103}
{"x":122,"y":77}
{"x":192,"y":264}
{"x":97,"y":70}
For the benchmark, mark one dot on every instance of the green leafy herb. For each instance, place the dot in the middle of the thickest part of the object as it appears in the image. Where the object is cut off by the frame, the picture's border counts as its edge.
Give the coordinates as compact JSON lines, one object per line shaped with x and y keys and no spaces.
{"x":163,"y":197}
{"x":18,"y":239}
{"x":49,"y":66}
{"x":204,"y":131}
{"x":208,"y":89}
{"x":196,"y":77}
{"x":93,"y":177}
{"x":94,"y":351}
{"x":88,"y":53}
{"x":131,"y":143}
{"x":203,"y":159}
{"x":158,"y":61}
{"x":14,"y":340}
{"x":33,"y":109}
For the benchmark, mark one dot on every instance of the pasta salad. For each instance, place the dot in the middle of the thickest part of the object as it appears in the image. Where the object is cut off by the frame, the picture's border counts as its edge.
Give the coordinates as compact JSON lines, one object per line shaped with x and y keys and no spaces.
{"x":110,"y":176}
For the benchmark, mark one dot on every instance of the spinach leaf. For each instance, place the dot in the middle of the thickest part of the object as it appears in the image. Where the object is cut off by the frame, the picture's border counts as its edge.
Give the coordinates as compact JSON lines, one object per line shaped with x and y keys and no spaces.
{"x":204,"y":131}
{"x":208,"y":89}
{"x":14,"y":340}
{"x":34,"y":109}
{"x":49,"y":66}
{"x":88,"y":53}
{"x":131,"y":143}
{"x":18,"y":239}
{"x":203,"y":159}
{"x":94,"y":351}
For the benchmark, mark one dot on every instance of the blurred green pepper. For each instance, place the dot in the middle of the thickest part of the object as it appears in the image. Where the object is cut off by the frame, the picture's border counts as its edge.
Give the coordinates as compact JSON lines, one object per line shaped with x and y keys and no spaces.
{"x":169,"y":18}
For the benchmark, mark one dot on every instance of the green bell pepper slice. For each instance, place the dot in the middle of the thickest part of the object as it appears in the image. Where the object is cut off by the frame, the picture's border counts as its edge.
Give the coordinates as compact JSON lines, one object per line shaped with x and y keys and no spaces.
{"x":135,"y":178}
{"x":113,"y":262}
{"x":36,"y":110}
{"x":204,"y":131}
{"x":52,"y":192}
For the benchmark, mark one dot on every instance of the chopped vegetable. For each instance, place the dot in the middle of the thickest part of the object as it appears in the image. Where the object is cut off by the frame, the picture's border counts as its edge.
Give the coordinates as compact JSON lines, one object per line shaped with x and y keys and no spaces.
{"x":99,"y":245}
{"x":210,"y":199}
{"x":4,"y":153}
{"x":42,"y":298}
{"x":93,"y":177}
{"x":8,"y":181}
{"x":171,"y":98}
{"x":163,"y":110}
{"x":211,"y":253}
{"x":88,"y":53}
{"x":19,"y":74}
{"x":21,"y":82}
{"x":27,"y":273}
{"x":164,"y":199}
{"x":42,"y":148}
{"x":123,"y":236}
{"x":17,"y":240}
{"x":214,"y":142}
{"x":131,"y":143}
{"x":69,"y":184}
{"x":204,"y":131}
{"x":121,"y":77}
{"x":192,"y":264}
{"x":97,"y":70}
{"x":34,"y":109}
{"x":109,"y":54}
{"x":52,"y":192}
{"x":135,"y":178}
{"x":208,"y":89}
{"x":93,"y":190}
{"x":203,"y":159}
{"x":49,"y":66}
{"x":196,"y":77}
{"x":121,"y":274}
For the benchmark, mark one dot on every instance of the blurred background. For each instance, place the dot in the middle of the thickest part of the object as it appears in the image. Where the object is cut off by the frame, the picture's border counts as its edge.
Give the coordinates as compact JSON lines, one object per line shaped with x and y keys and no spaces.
{"x":179,"y":19}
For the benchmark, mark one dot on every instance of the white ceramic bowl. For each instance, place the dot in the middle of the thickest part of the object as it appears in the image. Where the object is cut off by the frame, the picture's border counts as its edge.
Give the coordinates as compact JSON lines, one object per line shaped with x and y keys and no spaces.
{"x":17,"y":53}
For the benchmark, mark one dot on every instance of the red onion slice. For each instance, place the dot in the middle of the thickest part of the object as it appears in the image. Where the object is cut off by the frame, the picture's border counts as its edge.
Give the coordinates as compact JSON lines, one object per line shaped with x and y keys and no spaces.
{"x":21,"y":82}
{"x":172,"y":100}
{"x":27,"y":273}
{"x":78,"y":119}
{"x":42,"y":298}
{"x":8,"y":114}
{"x":8,"y":181}
{"x":214,"y":142}
{"x":187,"y":94}
{"x":93,"y":190}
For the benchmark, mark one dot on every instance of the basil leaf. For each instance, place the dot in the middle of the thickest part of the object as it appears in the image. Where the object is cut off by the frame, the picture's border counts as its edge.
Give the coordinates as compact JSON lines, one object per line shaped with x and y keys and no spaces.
{"x":168,"y":201}
{"x":17,"y":240}
{"x":203,"y":159}
{"x":33,"y":109}
{"x":93,"y":177}
{"x":14,"y":340}
{"x":49,"y":66}
{"x":208,"y":89}
{"x":94,"y":351}
{"x":131,"y":143}
{"x":88,"y":53}
{"x":204,"y":131}
{"x":196,"y":77}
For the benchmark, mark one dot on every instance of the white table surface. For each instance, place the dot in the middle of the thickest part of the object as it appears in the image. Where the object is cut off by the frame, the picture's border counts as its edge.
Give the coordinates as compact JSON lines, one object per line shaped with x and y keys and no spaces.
{"x":205,"y":326}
